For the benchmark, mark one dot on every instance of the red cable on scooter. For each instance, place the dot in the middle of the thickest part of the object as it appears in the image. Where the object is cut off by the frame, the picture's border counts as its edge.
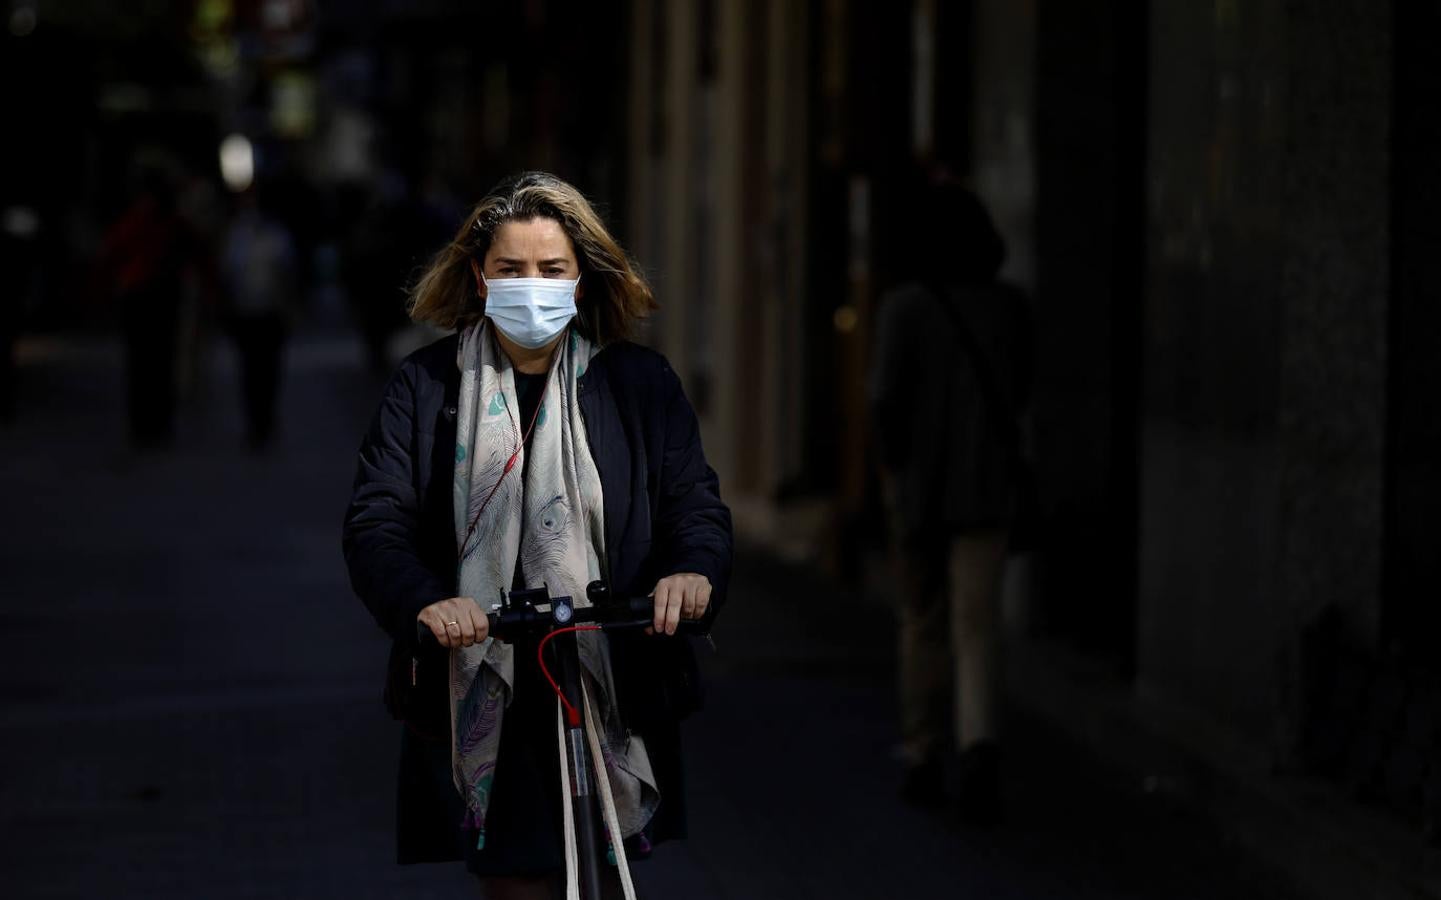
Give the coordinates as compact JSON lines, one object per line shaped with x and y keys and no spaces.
{"x":572,"y":715}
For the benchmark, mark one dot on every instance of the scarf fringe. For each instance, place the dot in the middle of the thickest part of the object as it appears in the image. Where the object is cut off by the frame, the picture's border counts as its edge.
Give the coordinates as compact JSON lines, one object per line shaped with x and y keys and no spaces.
{"x":607,"y":799}
{"x":615,"y":852}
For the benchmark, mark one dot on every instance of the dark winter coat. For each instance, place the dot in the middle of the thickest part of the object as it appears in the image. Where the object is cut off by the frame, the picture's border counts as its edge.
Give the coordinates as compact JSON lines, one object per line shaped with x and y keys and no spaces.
{"x":663,"y":515}
{"x":949,"y":450}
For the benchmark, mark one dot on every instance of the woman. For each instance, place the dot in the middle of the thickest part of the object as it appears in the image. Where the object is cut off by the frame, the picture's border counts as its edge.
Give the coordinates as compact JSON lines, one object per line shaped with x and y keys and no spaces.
{"x":536,"y":446}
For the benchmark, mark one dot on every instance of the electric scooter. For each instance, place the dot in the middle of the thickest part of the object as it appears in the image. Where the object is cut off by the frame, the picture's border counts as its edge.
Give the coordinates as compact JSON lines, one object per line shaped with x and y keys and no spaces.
{"x":557,"y":620}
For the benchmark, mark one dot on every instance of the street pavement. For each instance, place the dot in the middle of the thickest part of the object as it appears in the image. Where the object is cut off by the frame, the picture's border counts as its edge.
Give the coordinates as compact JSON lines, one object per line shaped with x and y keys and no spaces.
{"x":190,"y":694}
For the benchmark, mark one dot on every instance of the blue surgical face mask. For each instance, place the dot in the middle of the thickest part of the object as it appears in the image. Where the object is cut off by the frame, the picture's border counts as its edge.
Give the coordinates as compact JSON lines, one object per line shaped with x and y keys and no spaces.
{"x":530,"y":311}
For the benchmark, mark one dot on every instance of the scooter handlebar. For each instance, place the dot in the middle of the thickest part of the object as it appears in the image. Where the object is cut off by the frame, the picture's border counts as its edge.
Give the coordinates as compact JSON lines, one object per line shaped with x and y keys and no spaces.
{"x":635,"y":612}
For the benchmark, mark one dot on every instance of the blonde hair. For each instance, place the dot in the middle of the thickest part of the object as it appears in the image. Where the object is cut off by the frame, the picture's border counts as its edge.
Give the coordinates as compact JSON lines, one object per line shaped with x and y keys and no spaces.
{"x":615,"y":295}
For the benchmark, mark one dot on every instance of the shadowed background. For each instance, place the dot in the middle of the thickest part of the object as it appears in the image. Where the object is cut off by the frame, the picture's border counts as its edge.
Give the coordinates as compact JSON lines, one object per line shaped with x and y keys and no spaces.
{"x":1221,"y":659}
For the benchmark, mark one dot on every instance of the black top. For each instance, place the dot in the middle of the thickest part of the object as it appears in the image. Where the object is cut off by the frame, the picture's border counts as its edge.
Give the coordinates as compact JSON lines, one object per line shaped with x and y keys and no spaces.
{"x":529,"y":390}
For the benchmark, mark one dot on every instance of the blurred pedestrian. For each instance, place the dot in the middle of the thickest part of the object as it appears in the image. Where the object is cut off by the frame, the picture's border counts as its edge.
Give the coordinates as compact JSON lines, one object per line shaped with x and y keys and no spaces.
{"x":19,"y":272}
{"x":551,"y":451}
{"x":947,"y":387}
{"x":145,"y":257}
{"x":261,"y":286}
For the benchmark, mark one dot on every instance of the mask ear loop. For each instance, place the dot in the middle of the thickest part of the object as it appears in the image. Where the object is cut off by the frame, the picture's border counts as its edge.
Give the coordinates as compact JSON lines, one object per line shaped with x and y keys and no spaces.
{"x":479,"y":279}
{"x":581,"y":316}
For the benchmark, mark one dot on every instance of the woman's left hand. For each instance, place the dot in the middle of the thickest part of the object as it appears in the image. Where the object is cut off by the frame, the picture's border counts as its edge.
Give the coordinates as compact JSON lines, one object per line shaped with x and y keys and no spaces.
{"x":684,"y":595}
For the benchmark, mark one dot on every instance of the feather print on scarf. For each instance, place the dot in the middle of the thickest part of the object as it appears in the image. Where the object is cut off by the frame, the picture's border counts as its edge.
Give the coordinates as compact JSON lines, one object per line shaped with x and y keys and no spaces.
{"x":554,"y":525}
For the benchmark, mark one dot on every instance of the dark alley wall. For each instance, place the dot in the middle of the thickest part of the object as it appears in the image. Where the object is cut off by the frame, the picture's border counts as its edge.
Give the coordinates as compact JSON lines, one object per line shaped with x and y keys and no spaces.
{"x":1265,"y":344}
{"x":1413,"y":567}
{"x":1090,"y":120}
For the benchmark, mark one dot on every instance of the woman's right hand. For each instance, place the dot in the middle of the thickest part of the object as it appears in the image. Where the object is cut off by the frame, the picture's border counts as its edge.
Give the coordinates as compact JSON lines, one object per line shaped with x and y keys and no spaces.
{"x":456,"y":622}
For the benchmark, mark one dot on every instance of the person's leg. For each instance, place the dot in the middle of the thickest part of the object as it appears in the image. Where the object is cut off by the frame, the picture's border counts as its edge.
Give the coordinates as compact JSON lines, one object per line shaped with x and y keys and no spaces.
{"x":8,"y":335}
{"x":612,"y":889}
{"x":242,"y":333}
{"x":545,"y":887}
{"x":249,"y":332}
{"x":150,"y":367}
{"x":270,"y":344}
{"x":521,"y":887}
{"x":977,"y":561}
{"x":923,"y":656}
{"x":977,"y":564}
{"x":165,"y":346}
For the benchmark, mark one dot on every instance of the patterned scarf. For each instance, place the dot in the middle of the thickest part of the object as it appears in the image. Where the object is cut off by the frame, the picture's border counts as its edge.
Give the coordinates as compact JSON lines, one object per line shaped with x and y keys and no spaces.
{"x":553,"y":524}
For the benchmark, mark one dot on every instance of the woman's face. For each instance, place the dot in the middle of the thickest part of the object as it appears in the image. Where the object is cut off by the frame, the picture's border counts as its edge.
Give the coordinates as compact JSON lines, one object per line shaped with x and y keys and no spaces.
{"x":538,"y":248}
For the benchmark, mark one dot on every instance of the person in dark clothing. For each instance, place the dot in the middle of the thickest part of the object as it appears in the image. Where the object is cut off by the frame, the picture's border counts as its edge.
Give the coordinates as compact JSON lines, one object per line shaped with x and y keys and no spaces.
{"x":258,"y":264}
{"x":948,"y":384}
{"x":534,"y":446}
{"x":147,"y":254}
{"x":19,"y":271}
